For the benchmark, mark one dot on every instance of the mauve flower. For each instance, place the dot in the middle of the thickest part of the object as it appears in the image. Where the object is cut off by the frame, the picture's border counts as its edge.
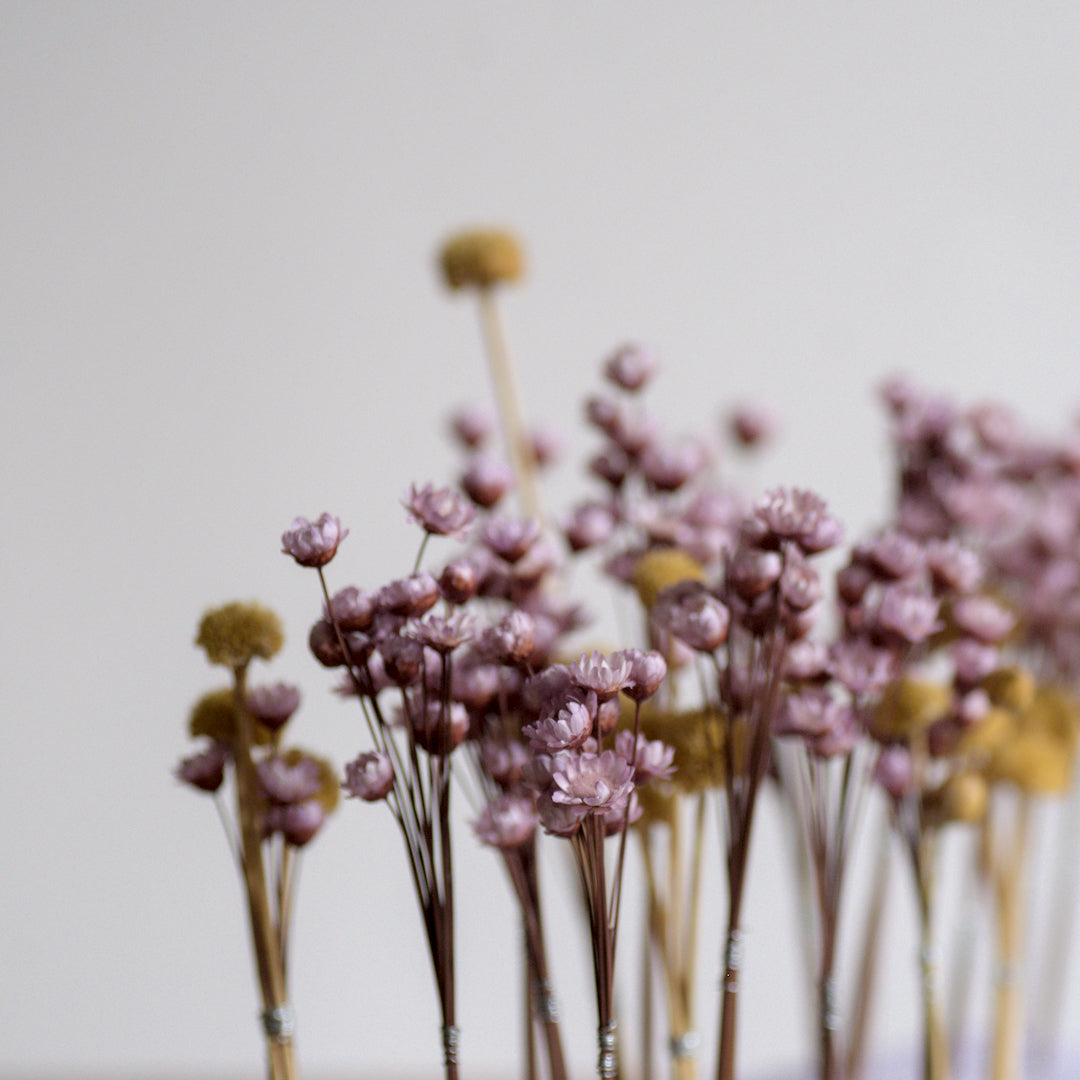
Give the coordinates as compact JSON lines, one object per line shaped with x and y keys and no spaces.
{"x":439,"y":511}
{"x":439,"y":730}
{"x":907,"y":611}
{"x":893,"y":554}
{"x":545,"y":445}
{"x":805,"y":660}
{"x":751,"y":571}
{"x":973,"y":661}
{"x":409,"y":597}
{"x":596,"y":781}
{"x":669,"y":467}
{"x":459,"y":581}
{"x":605,"y":676}
{"x":510,"y":538}
{"x":297,"y":822}
{"x":471,"y":425}
{"x":402,"y":658}
{"x":840,"y":737}
{"x":313,"y":543}
{"x":205,"y":770}
{"x":953,"y":567}
{"x":811,"y":711}
{"x":983,"y":619}
{"x":370,"y":777}
{"x":443,"y":633}
{"x":651,"y":760}
{"x":324,"y":644}
{"x":861,"y":667}
{"x":616,"y":817}
{"x":800,"y":585}
{"x":504,"y":760}
{"x":852,"y":582}
{"x":647,"y":671}
{"x":285,"y":783}
{"x":588,"y":526}
{"x":273,"y":703}
{"x":507,"y":822}
{"x":610,"y":465}
{"x":486,"y":480}
{"x":798,"y":515}
{"x":894,"y":771}
{"x":635,"y":434}
{"x":630,"y":367}
{"x":352,"y":608}
{"x":558,"y":818}
{"x":603,"y":413}
{"x":751,"y":424}
{"x":511,"y":640}
{"x":565,"y":730}
{"x":693,"y":615}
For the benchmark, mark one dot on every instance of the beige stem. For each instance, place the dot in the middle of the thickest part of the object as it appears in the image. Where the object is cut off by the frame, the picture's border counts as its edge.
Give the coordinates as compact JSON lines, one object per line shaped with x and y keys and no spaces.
{"x":518,"y":445}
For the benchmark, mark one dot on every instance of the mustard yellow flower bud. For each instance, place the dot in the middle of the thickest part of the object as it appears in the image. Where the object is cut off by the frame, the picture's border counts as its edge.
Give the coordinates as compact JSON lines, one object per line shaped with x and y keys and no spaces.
{"x":1036,"y":762}
{"x":962,"y":797}
{"x":908,"y":706}
{"x":1011,"y":688}
{"x":215,"y":716}
{"x":481,"y":258}
{"x":329,"y":784}
{"x":658,"y":569}
{"x":235,"y":634}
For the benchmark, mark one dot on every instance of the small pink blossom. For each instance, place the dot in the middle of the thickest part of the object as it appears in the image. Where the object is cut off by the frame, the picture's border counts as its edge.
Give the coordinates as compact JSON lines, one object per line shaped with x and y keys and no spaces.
{"x":439,"y":511}
{"x":273,"y":704}
{"x":565,"y":730}
{"x":630,"y":367}
{"x":313,"y":543}
{"x":795,"y":514}
{"x":651,"y":760}
{"x":409,"y":597}
{"x":285,"y":783}
{"x":504,"y":760}
{"x":647,"y":672}
{"x":443,"y":633}
{"x":486,"y":480}
{"x":205,"y":770}
{"x":370,"y":777}
{"x":596,"y":781}
{"x":507,"y":822}
{"x":894,"y":771}
{"x":510,"y":538}
{"x":752,"y":424}
{"x":588,"y":526}
{"x":298,"y":822}
{"x":693,"y":615}
{"x":352,"y":608}
{"x":559,"y":818}
{"x":983,"y":619}
{"x":471,"y":425}
{"x":605,"y":676}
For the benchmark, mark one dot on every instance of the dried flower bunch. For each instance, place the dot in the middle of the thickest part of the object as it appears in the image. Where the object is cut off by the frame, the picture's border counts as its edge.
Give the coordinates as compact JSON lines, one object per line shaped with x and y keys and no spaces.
{"x":925,"y":684}
{"x":281,"y":797}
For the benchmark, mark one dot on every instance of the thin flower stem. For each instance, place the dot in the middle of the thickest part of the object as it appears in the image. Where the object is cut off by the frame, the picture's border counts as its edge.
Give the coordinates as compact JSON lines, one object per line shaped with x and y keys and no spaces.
{"x":510,"y":411}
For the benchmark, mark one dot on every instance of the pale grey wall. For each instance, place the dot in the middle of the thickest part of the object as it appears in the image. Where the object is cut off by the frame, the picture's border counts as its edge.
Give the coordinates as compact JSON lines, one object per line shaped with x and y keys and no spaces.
{"x":217,"y":310}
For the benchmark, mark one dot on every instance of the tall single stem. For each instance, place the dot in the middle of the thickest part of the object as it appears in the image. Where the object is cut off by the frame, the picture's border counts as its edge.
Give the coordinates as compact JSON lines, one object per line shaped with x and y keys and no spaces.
{"x":504,"y":375}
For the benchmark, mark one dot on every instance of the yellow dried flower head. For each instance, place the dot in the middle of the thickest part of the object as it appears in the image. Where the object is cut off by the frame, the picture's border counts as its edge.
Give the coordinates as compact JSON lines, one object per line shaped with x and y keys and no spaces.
{"x":908,"y":706}
{"x":697,"y":738}
{"x":988,"y":733}
{"x":658,"y":569}
{"x":215,"y":717}
{"x":481,"y":258}
{"x":659,"y":805}
{"x":235,"y":634}
{"x":962,"y":797}
{"x":329,"y":783}
{"x":1011,"y":688}
{"x":1036,"y":762}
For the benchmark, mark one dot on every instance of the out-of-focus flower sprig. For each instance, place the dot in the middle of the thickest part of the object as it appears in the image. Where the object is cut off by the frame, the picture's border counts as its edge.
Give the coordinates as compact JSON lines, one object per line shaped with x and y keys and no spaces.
{"x":281,"y":798}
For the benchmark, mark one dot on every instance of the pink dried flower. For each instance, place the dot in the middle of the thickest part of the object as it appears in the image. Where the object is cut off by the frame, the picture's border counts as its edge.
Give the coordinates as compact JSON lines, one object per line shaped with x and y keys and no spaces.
{"x":565,"y":730}
{"x":459,"y":581}
{"x":798,"y":515}
{"x":486,"y":480}
{"x":439,"y":511}
{"x":751,"y":571}
{"x":410,"y":597}
{"x":509,"y":538}
{"x":810,"y":711}
{"x":352,"y":608}
{"x":647,"y":672}
{"x":205,"y":770}
{"x":895,"y":771}
{"x":444,"y":633}
{"x":588,"y":526}
{"x":752,"y":424}
{"x":313,"y":543}
{"x":909,"y":612}
{"x":471,"y":425}
{"x":370,"y":777}
{"x":894,"y":554}
{"x":504,"y":760}
{"x":558,"y":818}
{"x":507,"y":822}
{"x":953,"y":567}
{"x":596,"y":781}
{"x":616,"y":817}
{"x":610,"y":465}
{"x":635,"y":434}
{"x":651,"y":760}
{"x":630,"y":367}
{"x":511,"y":640}
{"x":439,"y":730}
{"x":800,"y":585}
{"x":861,"y":667}
{"x":605,"y":676}
{"x":285,"y":783}
{"x":402,"y":658}
{"x":545,"y":446}
{"x":297,"y":822}
{"x":273,"y":704}
{"x":324,"y":644}
{"x":983,"y":619}
{"x":603,"y":413}
{"x":973,"y":661}
{"x":669,"y":467}
{"x":693,"y":615}
{"x":839,"y":738}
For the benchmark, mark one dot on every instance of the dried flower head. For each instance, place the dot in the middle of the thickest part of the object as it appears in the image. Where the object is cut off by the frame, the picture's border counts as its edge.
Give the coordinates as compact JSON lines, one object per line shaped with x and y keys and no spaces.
{"x":272,"y":704}
{"x":233,"y":635}
{"x":313,"y":543}
{"x":656,"y":570}
{"x":205,"y":770}
{"x":439,"y":511}
{"x":630,"y":367}
{"x":507,"y":822}
{"x":369,"y":777}
{"x":481,"y":258}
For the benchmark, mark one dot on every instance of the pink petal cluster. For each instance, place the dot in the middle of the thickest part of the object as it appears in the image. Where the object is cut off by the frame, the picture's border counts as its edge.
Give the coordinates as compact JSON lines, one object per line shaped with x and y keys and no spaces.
{"x":313,"y":543}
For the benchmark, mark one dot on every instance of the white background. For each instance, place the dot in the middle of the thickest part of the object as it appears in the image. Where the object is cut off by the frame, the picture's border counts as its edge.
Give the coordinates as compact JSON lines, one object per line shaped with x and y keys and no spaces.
{"x":218,"y":310}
